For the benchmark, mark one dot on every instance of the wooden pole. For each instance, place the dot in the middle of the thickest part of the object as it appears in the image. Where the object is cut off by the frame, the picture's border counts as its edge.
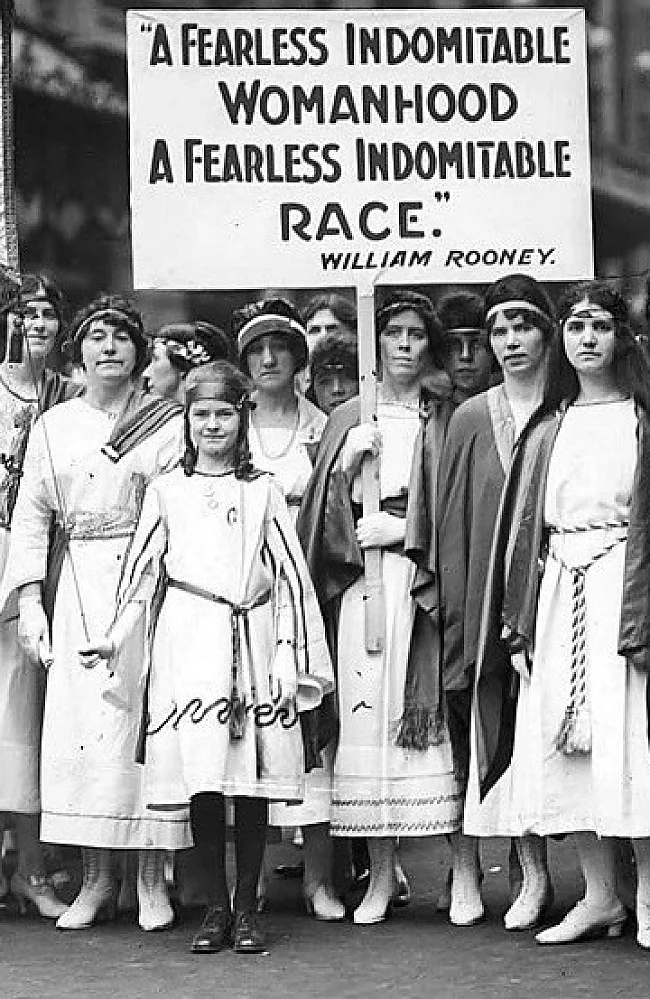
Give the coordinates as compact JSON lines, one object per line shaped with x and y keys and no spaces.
{"x":375,"y":616}
{"x":9,"y":264}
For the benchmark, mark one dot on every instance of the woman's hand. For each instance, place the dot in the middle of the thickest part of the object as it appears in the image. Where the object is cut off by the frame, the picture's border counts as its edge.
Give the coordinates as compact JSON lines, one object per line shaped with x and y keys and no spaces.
{"x":285,"y":676}
{"x":92,"y":654}
{"x":360,"y":441}
{"x":639,"y":660}
{"x":380,"y":530}
{"x":34,"y":632}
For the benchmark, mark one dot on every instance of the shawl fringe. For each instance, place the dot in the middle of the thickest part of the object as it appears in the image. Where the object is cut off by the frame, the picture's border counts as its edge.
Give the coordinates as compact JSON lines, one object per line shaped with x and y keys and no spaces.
{"x":421,"y":728}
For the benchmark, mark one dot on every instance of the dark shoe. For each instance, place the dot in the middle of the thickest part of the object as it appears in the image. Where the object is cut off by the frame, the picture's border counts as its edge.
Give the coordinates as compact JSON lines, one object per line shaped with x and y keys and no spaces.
{"x":215,"y":931}
{"x":248,"y":936}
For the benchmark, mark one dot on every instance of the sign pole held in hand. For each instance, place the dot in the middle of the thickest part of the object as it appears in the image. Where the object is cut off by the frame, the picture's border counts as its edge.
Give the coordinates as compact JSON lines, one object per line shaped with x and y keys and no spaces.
{"x":374,"y":605}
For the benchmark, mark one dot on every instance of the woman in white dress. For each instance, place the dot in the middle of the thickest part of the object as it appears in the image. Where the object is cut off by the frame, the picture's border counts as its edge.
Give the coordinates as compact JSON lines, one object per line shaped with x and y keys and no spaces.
{"x":236,"y":632}
{"x":284,"y":434}
{"x":30,"y":328}
{"x":394,"y":772}
{"x":86,"y":466}
{"x":575,"y":732}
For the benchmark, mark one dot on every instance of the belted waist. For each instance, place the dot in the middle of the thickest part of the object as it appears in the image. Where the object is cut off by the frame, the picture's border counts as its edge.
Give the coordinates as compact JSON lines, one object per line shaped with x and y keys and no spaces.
{"x":605,"y":525}
{"x":238,"y":625}
{"x":238,"y":610}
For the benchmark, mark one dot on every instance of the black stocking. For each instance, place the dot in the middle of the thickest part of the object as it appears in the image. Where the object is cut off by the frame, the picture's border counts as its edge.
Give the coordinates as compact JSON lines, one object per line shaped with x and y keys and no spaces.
{"x":208,"y":819}
{"x":251,"y":820}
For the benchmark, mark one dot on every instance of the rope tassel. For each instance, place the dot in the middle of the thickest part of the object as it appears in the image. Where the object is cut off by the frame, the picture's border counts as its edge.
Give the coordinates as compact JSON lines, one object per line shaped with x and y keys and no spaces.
{"x":574,"y":735}
{"x":237,"y":701}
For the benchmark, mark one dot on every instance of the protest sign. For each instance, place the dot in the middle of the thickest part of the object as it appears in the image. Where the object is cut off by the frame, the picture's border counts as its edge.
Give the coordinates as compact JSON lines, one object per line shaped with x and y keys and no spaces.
{"x":314,"y":148}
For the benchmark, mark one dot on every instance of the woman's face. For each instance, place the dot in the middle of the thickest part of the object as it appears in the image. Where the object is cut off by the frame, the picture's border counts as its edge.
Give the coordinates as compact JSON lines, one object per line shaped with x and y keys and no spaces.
{"x":108,"y":353}
{"x":214,"y":426}
{"x":271,"y":363}
{"x":160,"y":375}
{"x":323,"y":321}
{"x":333,"y":385}
{"x":589,"y":335}
{"x":519,"y":346}
{"x":40,"y":325}
{"x":404,"y":347}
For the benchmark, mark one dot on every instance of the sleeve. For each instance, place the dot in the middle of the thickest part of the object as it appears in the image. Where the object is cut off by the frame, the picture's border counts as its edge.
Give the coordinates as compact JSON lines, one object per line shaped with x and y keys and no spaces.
{"x":32,"y":519}
{"x":312,"y":654}
{"x":171,"y":446}
{"x":143,"y":570}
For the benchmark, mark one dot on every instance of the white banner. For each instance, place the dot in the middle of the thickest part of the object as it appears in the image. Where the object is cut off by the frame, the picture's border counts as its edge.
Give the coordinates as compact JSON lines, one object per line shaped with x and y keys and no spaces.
{"x":296,"y":148}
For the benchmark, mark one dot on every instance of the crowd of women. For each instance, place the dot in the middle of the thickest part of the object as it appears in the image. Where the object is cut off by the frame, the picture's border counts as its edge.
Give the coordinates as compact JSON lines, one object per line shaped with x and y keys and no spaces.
{"x":183,"y":597}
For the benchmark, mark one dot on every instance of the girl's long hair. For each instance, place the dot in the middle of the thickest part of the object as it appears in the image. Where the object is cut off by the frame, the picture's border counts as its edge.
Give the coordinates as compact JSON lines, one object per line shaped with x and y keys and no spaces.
{"x":236,"y":391}
{"x":631,"y":367}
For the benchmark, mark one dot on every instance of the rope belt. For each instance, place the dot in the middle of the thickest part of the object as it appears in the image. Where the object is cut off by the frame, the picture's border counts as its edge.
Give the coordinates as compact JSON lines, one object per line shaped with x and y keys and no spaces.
{"x":238,"y":620}
{"x":574,"y":735}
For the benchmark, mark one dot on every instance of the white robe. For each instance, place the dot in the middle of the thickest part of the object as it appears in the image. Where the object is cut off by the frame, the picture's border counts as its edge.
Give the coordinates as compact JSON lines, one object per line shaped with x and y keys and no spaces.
{"x":232,"y":539}
{"x":606,"y":790}
{"x":90,"y":783}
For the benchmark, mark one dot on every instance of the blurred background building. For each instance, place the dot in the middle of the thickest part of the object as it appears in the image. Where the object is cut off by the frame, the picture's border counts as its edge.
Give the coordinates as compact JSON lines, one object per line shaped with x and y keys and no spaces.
{"x":72,"y":141}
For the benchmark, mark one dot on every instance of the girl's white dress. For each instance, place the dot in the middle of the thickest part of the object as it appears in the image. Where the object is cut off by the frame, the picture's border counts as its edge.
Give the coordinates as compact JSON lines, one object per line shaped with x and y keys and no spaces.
{"x":91,"y":786}
{"x":606,"y":790}
{"x":222,"y":556}
{"x":379,"y":788}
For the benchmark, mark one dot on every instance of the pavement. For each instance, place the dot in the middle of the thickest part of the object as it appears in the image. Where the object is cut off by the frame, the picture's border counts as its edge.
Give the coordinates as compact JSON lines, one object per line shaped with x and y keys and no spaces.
{"x":414,"y":954}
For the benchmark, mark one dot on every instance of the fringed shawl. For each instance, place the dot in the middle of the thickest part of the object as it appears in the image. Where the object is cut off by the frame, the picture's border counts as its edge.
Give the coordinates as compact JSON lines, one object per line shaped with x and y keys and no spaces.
{"x":326,"y":529}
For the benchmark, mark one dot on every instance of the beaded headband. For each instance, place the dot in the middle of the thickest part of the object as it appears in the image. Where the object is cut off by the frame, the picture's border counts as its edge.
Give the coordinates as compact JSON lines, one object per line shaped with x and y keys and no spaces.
{"x":115,"y":314}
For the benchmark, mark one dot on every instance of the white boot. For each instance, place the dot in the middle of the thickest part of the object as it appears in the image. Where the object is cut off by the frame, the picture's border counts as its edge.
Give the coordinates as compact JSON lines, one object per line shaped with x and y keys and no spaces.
{"x":536,"y":893}
{"x":376,"y":901}
{"x":98,"y":896}
{"x":154,"y":908}
{"x":466,"y":907}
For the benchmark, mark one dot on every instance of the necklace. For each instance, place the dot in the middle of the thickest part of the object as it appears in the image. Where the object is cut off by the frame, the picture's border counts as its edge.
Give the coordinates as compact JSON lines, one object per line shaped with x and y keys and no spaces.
{"x":214,"y":475}
{"x":15,"y":394}
{"x":284,"y":450}
{"x":602,"y":402}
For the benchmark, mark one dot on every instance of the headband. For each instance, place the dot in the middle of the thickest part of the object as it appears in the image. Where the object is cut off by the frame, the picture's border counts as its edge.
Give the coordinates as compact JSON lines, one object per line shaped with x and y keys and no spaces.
{"x":518,"y":304}
{"x":117,"y":314}
{"x":214,"y":390}
{"x":588,"y":309}
{"x":268,"y":323}
{"x":464,"y":329}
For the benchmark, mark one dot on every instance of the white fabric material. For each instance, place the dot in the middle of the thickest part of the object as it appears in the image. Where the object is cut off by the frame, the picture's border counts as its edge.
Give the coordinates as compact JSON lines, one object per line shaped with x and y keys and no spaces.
{"x":91,"y":786}
{"x":605,"y":791}
{"x":233,"y":539}
{"x":21,"y":684}
{"x":379,"y":788}
{"x":292,"y":472}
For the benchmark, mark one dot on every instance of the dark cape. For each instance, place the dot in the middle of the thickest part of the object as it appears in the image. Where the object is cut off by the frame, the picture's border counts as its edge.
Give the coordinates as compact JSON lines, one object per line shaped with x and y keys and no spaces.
{"x":326,"y":527}
{"x":473,"y":465}
{"x":514,"y":575}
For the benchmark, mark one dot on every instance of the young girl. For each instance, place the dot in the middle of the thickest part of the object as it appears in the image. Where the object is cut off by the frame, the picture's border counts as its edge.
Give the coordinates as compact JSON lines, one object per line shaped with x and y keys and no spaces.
{"x":235,"y":637}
